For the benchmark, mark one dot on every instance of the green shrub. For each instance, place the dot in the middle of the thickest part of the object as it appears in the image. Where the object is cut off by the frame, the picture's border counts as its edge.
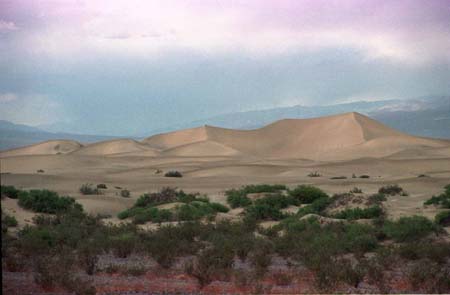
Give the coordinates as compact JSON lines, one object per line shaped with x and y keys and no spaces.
{"x":359,"y":213}
{"x":8,"y":220}
{"x":359,"y":238}
{"x":152,"y":214}
{"x":264,"y":211}
{"x":409,"y":228}
{"x":236,"y":199}
{"x":9,"y":191}
{"x":123,"y":244}
{"x":219,"y":207}
{"x":443,"y":218}
{"x":89,"y":189}
{"x":277,"y":201}
{"x":165,"y":195}
{"x":173,"y":174}
{"x":306,"y":194}
{"x":442,"y":200}
{"x":45,"y":201}
{"x":316,"y":207}
{"x":376,"y":199}
{"x":391,"y":190}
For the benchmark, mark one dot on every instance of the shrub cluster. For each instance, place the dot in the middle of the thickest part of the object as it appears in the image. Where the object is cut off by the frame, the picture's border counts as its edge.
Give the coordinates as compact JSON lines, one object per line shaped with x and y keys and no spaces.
{"x":9,"y":191}
{"x":409,"y":229}
{"x":238,"y":197}
{"x":392,"y":190}
{"x":194,"y":207}
{"x":306,"y":194}
{"x":45,"y":201}
{"x":360,"y":213}
{"x":442,"y":200}
{"x":89,"y":189}
{"x":173,"y":174}
{"x":443,"y":218}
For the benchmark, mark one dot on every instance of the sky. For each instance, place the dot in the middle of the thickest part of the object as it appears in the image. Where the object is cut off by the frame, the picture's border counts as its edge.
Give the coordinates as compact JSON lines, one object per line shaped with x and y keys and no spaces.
{"x":124,"y":67}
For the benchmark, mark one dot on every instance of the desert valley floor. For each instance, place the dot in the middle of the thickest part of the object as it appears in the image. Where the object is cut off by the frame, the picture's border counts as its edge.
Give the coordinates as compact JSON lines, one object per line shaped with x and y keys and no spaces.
{"x":214,"y":159}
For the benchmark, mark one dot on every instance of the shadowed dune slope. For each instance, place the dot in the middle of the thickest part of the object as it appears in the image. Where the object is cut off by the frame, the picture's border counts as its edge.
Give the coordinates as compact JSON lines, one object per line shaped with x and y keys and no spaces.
{"x":202,"y":148}
{"x":117,"y":146}
{"x":51,"y":147}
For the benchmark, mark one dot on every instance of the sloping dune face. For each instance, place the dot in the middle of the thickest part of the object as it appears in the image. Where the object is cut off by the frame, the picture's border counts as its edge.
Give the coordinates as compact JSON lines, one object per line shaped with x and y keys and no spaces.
{"x":51,"y":147}
{"x":177,"y":138}
{"x":338,"y":137}
{"x":118,"y":146}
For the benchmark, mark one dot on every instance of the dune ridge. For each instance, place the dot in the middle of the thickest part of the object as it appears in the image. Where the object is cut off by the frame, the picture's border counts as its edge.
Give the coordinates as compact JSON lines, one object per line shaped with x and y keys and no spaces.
{"x":338,"y":137}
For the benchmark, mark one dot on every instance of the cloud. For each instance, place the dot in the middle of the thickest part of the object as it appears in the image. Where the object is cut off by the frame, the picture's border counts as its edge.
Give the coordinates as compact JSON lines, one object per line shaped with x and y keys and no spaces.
{"x":30,"y":109}
{"x":6,"y":26}
{"x":409,"y":32}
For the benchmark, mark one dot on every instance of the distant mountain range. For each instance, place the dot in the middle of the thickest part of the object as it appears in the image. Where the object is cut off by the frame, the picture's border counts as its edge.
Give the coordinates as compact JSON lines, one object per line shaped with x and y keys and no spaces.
{"x":426,"y":116}
{"x":16,"y":135}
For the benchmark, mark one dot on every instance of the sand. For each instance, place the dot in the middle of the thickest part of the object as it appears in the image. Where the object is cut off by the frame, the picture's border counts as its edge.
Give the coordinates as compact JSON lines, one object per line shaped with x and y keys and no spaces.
{"x":215,"y":159}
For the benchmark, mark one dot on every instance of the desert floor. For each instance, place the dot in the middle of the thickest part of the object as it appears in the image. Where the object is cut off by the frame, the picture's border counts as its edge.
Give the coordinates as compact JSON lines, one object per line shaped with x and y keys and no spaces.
{"x":213,"y":175}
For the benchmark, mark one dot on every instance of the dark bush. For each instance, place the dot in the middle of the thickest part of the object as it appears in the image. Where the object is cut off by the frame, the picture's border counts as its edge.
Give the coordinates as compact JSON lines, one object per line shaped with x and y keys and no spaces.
{"x":376,"y":199}
{"x":364,"y":176}
{"x":359,"y":213}
{"x":306,"y":194}
{"x":264,"y":211}
{"x":409,"y":228}
{"x":391,"y":190}
{"x":359,"y":238}
{"x":314,"y":174}
{"x":45,"y":201}
{"x":101,"y":186}
{"x":8,"y":220}
{"x":316,"y":207}
{"x":166,"y":195}
{"x":89,"y":189}
{"x":443,"y":218}
{"x":40,"y":171}
{"x":125,"y":193}
{"x":236,"y":199}
{"x":356,"y":190}
{"x":219,"y":207}
{"x":123,"y":244}
{"x":9,"y":191}
{"x":173,"y":174}
{"x":442,"y":200}
{"x":338,"y":177}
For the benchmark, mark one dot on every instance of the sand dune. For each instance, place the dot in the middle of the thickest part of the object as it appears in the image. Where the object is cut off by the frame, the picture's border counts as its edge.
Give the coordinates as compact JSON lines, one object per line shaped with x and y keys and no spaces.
{"x":333,"y":138}
{"x":338,"y":137}
{"x":117,"y":146}
{"x":177,"y":138}
{"x":50,"y":147}
{"x":202,"y":149}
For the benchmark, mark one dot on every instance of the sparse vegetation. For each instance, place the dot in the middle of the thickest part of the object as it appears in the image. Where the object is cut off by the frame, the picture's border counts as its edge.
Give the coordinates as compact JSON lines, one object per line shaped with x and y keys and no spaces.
{"x":101,"y":186}
{"x":356,"y":190}
{"x":40,"y":171}
{"x":392,"y":190}
{"x":338,"y":177}
{"x":89,"y":189}
{"x":442,"y":200}
{"x":364,"y":176}
{"x":337,"y":254}
{"x":125,"y":193}
{"x":173,"y":174}
{"x":314,"y":174}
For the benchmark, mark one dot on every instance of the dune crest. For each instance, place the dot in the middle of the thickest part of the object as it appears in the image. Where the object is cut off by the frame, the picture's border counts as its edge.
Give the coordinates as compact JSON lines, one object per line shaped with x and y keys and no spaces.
{"x":116,"y":146}
{"x":51,"y":147}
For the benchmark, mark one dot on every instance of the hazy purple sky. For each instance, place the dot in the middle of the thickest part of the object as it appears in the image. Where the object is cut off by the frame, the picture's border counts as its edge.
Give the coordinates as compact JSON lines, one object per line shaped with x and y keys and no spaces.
{"x":138,"y":60}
